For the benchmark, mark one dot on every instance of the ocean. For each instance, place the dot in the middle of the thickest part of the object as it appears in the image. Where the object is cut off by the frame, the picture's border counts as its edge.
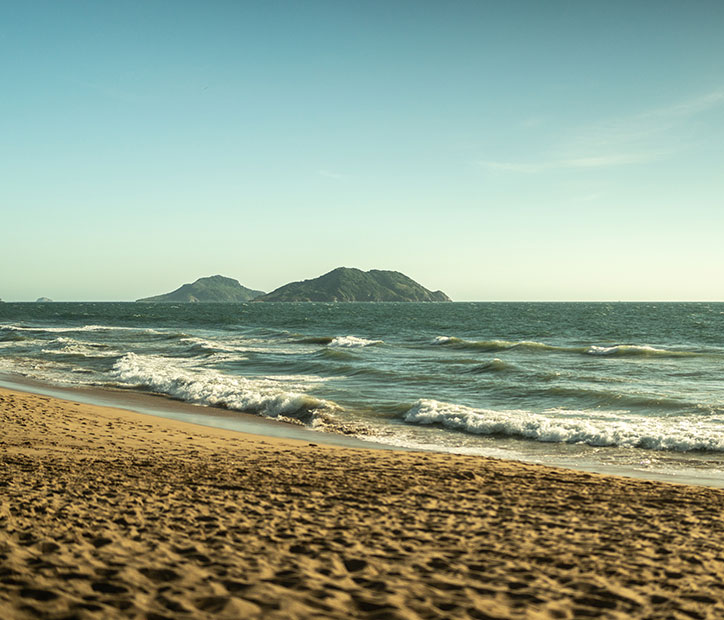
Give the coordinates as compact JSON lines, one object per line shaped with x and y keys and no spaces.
{"x":633,"y":388}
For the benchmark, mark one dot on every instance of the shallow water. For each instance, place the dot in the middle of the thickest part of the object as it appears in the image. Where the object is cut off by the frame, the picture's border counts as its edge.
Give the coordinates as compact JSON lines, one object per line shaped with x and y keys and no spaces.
{"x":581,"y":384}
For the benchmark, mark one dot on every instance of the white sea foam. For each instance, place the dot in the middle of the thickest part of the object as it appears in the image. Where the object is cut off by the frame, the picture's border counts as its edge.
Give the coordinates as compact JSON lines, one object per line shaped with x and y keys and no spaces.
{"x":679,"y":433}
{"x":236,"y":345}
{"x":630,"y":349}
{"x":47,"y":371}
{"x":82,"y":328}
{"x":621,"y":350}
{"x":444,"y":340}
{"x":81,"y":351}
{"x":211,"y":346}
{"x":269,"y":397}
{"x":497,"y":345}
{"x":352,"y":342}
{"x":300,"y":379}
{"x":69,"y":346}
{"x":62,"y":330}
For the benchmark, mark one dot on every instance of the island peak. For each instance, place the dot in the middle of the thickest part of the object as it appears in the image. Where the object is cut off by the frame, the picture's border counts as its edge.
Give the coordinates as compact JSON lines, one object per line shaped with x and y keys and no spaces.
{"x":352,"y":284}
{"x":211,"y":289}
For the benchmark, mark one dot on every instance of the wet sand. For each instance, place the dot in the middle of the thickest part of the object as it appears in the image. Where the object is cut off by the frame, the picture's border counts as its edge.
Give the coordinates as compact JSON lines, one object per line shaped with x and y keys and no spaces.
{"x":106,"y":513}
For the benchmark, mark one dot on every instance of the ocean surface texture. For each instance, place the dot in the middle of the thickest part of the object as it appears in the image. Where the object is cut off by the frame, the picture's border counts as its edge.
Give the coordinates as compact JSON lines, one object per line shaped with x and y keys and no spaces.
{"x":610,"y":386}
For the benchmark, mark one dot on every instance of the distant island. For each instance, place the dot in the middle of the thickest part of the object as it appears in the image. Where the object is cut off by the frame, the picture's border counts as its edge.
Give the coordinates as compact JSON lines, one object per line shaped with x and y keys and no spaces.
{"x":349,"y":284}
{"x":341,"y":284}
{"x":214,"y":289}
{"x":43,"y":300}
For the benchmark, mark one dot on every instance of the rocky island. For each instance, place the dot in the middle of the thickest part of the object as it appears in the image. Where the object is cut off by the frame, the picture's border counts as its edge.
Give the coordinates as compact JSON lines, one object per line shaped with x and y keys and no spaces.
{"x":349,"y":284}
{"x":214,"y":289}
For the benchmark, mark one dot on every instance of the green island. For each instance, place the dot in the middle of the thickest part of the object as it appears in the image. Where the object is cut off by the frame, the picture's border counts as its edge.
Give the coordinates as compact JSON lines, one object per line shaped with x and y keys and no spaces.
{"x":343,"y":284}
{"x":214,"y":289}
{"x":349,"y":284}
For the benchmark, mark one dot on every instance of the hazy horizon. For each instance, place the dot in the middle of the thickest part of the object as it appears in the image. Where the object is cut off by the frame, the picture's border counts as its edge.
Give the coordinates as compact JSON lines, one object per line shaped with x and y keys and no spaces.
{"x":517,"y":151}
{"x":179,"y":285}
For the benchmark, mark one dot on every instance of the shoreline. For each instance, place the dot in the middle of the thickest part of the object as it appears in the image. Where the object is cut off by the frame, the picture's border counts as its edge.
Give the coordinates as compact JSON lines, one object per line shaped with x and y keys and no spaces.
{"x":166,"y":407}
{"x":107,"y":513}
{"x":162,"y":406}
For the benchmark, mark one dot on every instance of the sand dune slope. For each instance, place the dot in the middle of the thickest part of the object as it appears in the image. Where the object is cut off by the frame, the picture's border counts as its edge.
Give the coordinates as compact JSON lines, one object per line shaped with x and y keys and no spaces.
{"x":105,"y":513}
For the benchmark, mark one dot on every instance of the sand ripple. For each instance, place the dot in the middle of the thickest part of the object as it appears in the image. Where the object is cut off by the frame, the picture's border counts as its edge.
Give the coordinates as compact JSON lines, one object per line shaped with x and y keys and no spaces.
{"x":108,"y":514}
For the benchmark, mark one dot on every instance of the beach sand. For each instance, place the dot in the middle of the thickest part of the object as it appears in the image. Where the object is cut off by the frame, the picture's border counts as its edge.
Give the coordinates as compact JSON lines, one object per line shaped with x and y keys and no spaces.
{"x":106,"y":513}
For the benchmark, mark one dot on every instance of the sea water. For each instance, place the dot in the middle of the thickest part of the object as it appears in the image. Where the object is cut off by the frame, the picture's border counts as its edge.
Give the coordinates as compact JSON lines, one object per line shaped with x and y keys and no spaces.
{"x":630,"y":387}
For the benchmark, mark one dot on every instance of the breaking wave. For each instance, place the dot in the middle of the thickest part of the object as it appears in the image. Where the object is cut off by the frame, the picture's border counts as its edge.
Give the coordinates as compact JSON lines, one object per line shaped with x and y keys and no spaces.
{"x":632,"y":350}
{"x":497,"y":345}
{"x":80,"y":328}
{"x":621,"y":350}
{"x":268,"y":397}
{"x":679,"y":433}
{"x":155,"y":334}
{"x":207,"y":347}
{"x":352,"y":342}
{"x":71,"y":347}
{"x":338,"y":341}
{"x":314,"y":340}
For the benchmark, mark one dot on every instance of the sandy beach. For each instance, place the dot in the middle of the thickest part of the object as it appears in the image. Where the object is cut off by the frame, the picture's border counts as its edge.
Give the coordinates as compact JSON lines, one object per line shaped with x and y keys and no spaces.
{"x":106,"y":513}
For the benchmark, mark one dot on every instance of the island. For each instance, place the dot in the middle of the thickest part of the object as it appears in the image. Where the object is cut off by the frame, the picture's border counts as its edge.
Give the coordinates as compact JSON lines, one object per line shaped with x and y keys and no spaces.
{"x":349,"y":284}
{"x":43,"y":300}
{"x":214,"y":289}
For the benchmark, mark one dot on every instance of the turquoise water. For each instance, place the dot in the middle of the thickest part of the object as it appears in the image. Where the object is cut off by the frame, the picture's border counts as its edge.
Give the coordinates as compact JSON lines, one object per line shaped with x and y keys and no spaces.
{"x":634,"y":385}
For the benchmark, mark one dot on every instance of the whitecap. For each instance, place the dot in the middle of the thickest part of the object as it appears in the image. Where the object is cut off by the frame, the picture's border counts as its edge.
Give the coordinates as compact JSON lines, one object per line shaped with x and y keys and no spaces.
{"x":353,"y":342}
{"x":444,"y":340}
{"x":633,"y":350}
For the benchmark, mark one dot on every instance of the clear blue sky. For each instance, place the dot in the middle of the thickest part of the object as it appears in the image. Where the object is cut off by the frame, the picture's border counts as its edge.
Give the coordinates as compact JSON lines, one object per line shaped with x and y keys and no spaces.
{"x":495,"y":150}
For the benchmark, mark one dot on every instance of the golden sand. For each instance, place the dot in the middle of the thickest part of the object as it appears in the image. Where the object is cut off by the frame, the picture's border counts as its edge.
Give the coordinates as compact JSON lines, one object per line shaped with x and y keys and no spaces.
{"x":106,"y":513}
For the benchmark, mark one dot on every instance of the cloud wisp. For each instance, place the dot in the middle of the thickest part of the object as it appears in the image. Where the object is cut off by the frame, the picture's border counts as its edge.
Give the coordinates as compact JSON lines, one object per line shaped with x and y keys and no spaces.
{"x":330,"y":174}
{"x":633,"y":140}
{"x":600,"y":161}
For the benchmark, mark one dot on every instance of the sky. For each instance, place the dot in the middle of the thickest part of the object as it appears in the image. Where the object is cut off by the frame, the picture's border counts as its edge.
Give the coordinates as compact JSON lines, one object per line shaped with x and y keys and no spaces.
{"x":519,"y":150}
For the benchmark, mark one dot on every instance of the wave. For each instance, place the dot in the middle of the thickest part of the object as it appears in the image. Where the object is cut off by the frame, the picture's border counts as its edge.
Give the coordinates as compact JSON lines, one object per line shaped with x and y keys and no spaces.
{"x":679,"y":433}
{"x":336,"y":354}
{"x":619,"y":350}
{"x":76,"y":348}
{"x":207,"y":347}
{"x":353,"y":342}
{"x":82,"y":328}
{"x":338,"y":341}
{"x":496,"y":345}
{"x":633,"y":350}
{"x":618,"y":398}
{"x":446,"y":340}
{"x":268,"y":397}
{"x":157,"y":334}
{"x":315,"y":340}
{"x":12,"y":336}
{"x":494,"y":365}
